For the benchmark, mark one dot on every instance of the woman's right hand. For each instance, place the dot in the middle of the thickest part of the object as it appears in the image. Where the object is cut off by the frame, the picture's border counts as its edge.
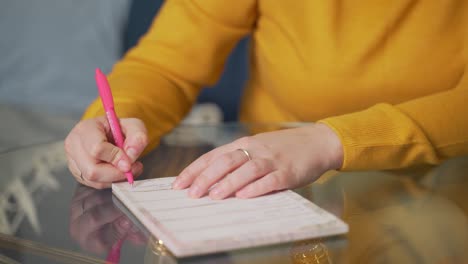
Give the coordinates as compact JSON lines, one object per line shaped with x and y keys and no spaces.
{"x":95,"y":161}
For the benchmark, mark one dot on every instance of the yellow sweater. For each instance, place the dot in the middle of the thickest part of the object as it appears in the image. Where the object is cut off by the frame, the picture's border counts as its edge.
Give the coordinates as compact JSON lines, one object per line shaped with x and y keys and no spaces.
{"x":387,"y":76}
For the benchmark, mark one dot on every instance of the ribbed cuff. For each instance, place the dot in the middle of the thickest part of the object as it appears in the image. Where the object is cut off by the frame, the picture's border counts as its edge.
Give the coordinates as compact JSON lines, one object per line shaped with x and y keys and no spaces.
{"x":380,"y":137}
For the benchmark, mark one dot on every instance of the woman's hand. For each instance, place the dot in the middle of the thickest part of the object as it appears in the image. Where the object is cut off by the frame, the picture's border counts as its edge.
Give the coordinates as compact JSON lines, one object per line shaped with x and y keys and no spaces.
{"x":273,"y":161}
{"x":96,"y":162}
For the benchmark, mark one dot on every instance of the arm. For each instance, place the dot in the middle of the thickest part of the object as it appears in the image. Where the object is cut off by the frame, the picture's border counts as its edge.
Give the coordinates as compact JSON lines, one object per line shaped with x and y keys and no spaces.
{"x":185,"y":49}
{"x":426,"y":130}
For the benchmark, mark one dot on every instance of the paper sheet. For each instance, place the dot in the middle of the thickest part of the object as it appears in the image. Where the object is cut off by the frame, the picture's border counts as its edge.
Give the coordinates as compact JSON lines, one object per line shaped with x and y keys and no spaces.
{"x":190,"y":227}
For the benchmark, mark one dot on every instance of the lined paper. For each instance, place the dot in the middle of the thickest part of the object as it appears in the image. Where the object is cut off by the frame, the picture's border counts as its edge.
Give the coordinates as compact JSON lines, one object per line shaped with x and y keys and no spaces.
{"x":190,"y":227}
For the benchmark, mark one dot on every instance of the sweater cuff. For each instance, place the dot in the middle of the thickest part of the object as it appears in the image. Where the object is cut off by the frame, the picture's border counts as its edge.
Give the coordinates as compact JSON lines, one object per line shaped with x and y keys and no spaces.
{"x":381,"y":137}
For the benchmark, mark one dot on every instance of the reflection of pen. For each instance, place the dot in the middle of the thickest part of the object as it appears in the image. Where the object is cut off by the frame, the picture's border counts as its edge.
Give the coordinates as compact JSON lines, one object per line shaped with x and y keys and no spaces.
{"x":108,"y":103}
{"x":113,"y":256}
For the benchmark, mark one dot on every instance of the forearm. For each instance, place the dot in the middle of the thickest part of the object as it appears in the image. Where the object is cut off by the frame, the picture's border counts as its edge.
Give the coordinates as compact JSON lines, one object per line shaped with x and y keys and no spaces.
{"x":185,"y":49}
{"x":421,"y":131}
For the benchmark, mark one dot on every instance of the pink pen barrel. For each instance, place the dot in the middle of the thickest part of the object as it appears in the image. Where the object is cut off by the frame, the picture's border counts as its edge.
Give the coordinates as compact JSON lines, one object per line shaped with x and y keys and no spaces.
{"x":108,"y":103}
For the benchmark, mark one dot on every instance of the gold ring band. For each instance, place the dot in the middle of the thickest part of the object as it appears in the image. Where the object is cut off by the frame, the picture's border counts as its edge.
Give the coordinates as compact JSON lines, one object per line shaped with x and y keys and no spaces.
{"x":246,"y":153}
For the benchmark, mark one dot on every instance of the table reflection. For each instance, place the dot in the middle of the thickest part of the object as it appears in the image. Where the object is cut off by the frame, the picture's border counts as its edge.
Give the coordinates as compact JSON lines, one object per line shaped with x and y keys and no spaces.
{"x":409,"y":216}
{"x":26,"y":175}
{"x":417,"y":216}
{"x":406,"y":217}
{"x":99,"y":226}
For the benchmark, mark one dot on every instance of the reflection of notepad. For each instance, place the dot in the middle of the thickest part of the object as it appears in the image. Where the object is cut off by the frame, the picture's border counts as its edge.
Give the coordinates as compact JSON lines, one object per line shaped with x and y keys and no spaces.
{"x":199,"y":226}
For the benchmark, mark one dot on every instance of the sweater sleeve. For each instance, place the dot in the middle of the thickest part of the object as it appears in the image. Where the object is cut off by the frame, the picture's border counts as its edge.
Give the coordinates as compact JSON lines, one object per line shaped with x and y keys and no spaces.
{"x":426,"y":130}
{"x":185,"y":49}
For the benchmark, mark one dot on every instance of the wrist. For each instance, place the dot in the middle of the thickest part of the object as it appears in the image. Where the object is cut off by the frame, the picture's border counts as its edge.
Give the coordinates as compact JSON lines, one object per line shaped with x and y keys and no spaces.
{"x":333,"y":146}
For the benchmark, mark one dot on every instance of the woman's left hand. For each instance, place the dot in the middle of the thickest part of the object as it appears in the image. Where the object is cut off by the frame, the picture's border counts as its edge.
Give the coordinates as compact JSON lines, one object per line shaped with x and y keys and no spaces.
{"x":266,"y":162}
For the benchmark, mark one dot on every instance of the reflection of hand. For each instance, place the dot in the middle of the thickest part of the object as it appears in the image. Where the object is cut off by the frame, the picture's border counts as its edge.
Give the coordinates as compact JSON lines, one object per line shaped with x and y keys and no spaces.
{"x":94,"y":161}
{"x":96,"y":224}
{"x":268,"y":162}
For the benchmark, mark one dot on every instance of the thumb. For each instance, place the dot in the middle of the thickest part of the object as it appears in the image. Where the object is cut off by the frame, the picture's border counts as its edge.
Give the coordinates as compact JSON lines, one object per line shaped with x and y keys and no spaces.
{"x":136,"y":137}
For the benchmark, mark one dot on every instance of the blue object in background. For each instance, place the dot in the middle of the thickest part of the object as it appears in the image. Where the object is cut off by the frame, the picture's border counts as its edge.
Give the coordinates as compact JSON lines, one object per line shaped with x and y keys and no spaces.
{"x":227,"y":92}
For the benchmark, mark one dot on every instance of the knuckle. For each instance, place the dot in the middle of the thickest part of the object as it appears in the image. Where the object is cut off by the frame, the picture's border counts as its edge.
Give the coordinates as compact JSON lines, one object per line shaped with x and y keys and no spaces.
{"x":140,"y":123}
{"x":201,"y":180}
{"x":92,"y":173}
{"x":142,"y":138}
{"x":67,"y":144}
{"x":188,"y":173}
{"x":244,"y":141}
{"x":226,"y":161}
{"x":204,"y":162}
{"x":281,"y":181}
{"x":257,"y":166}
{"x":115,"y":154}
{"x":275,"y":181}
{"x":80,"y":126}
{"x":72,"y":167}
{"x":227,"y":184}
{"x":97,"y":150}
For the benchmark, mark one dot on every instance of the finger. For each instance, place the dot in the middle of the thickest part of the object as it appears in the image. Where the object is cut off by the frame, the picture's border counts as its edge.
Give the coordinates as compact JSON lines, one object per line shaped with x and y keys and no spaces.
{"x":187,"y":176}
{"x":136,"y":171}
{"x":239,"y":178}
{"x":271,"y":182}
{"x":94,"y":138}
{"x":107,"y":152}
{"x":73,"y":167}
{"x":96,"y":173}
{"x":106,"y":173}
{"x":219,"y":168}
{"x":89,"y":171}
{"x":136,"y":137}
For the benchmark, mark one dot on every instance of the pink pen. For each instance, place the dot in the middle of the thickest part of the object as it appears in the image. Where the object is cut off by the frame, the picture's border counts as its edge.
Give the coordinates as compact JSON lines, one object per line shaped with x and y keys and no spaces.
{"x":108,"y":103}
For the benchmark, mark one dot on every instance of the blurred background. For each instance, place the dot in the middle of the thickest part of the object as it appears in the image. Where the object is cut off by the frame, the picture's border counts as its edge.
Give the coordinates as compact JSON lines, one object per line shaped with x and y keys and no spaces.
{"x":50,"y":48}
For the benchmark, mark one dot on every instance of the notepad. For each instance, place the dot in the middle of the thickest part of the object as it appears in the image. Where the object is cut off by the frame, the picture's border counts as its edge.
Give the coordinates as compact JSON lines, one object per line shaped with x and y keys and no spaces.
{"x":189,"y":227}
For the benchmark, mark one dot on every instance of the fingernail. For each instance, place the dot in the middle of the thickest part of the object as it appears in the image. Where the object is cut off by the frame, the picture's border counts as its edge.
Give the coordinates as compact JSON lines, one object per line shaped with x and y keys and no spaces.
{"x":216,"y":193}
{"x":123,"y":165}
{"x":194,"y":192}
{"x":132,"y":153}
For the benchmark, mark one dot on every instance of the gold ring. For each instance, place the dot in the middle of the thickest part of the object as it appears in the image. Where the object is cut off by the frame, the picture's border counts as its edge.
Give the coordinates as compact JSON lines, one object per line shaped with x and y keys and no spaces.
{"x":246,"y":153}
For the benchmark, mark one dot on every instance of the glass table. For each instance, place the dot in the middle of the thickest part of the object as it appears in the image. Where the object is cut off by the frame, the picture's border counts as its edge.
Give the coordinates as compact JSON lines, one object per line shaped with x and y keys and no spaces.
{"x":408,"y":216}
